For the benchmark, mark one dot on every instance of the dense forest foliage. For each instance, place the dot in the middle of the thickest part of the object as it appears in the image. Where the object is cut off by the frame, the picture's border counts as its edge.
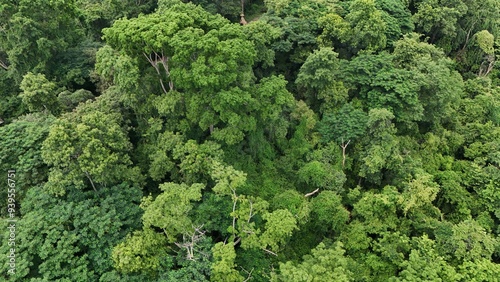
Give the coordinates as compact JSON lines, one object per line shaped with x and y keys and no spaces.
{"x":283,"y":140}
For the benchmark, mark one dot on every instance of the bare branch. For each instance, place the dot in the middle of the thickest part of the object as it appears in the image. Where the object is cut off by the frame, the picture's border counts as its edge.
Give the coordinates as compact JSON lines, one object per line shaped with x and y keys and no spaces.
{"x":344,"y":146}
{"x":235,"y":200}
{"x":242,"y":14}
{"x":154,"y":63}
{"x":190,"y":240}
{"x":237,"y":241}
{"x":90,"y":179}
{"x":164,"y":62}
{"x":268,"y":251}
{"x":485,"y":70}
{"x":250,"y":215}
{"x":311,"y":193}
{"x":467,"y":39}
{"x":249,"y":274}
{"x":4,"y":65}
{"x":242,"y":19}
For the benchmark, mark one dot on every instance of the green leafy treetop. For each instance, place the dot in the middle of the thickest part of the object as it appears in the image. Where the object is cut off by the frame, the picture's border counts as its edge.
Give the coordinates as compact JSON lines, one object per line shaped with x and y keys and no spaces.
{"x":89,"y":148}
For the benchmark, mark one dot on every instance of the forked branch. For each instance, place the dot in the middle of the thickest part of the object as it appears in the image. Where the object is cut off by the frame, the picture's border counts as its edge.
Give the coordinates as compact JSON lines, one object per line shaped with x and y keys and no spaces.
{"x":155,"y":61}
{"x":190,"y":241}
{"x":344,"y":147}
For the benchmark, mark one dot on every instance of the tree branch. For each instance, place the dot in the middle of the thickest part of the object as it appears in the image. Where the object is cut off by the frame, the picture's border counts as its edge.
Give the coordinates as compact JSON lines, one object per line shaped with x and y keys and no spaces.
{"x":344,"y":146}
{"x":91,"y":182}
{"x":250,"y":215}
{"x":311,"y":193}
{"x":4,"y":65}
{"x":268,"y":251}
{"x":154,"y":63}
{"x":491,"y":63}
{"x":249,"y":274}
{"x":235,"y":200}
{"x":189,"y":242}
{"x":237,"y":241}
{"x":164,"y":62}
{"x":467,"y":39}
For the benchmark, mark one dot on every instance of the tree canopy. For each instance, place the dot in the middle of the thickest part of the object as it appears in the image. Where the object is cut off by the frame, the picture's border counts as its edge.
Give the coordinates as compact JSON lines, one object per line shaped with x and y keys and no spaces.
{"x":264,"y":140}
